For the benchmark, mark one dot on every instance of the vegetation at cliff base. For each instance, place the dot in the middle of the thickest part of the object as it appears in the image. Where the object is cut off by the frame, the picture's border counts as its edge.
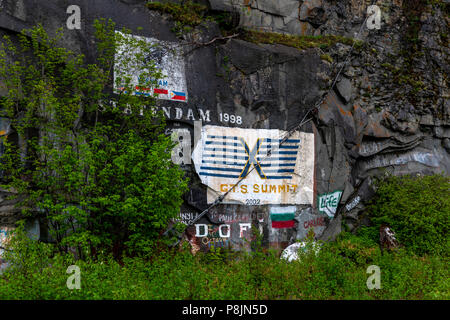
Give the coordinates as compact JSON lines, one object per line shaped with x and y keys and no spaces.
{"x":417,"y":209}
{"x":337,"y":271}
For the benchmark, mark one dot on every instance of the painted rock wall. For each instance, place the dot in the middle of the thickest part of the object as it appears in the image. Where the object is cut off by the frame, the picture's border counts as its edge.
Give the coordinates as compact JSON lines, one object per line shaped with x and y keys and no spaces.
{"x":229,"y":103}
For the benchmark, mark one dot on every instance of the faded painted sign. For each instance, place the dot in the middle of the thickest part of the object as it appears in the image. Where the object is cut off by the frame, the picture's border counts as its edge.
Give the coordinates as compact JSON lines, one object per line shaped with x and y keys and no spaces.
{"x":353,"y":203}
{"x":187,"y":217}
{"x":168,"y":60}
{"x":328,"y":203}
{"x":271,"y":173}
{"x":214,"y":236}
{"x":227,"y":227}
{"x":235,"y":217}
{"x":308,"y":221}
{"x":235,"y":234}
{"x":383,"y":160}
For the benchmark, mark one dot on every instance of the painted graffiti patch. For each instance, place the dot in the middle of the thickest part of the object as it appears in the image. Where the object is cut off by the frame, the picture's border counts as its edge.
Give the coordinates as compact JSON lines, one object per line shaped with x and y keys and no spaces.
{"x":234,"y":230}
{"x":307,"y":222}
{"x":271,"y":173}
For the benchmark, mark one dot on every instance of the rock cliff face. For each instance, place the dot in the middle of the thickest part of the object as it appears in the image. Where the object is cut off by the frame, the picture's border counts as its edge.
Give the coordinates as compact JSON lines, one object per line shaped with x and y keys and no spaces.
{"x":388,"y":112}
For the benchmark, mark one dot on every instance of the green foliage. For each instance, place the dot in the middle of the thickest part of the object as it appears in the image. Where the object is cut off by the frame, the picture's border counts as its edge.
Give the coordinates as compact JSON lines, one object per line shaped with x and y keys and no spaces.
{"x":186,"y":15}
{"x":189,"y":15}
{"x":369,"y":235}
{"x":417,"y":209}
{"x":25,"y":255}
{"x":337,"y":271}
{"x":99,"y":173}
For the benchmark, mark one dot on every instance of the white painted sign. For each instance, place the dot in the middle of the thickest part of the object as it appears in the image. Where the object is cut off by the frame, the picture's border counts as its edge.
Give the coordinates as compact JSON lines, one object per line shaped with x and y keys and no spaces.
{"x":168,"y":60}
{"x":353,"y":204}
{"x":328,"y":202}
{"x":272,"y":174}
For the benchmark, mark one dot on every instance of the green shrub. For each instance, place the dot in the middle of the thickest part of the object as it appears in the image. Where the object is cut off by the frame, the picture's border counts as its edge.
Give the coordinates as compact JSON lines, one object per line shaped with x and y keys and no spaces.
{"x":417,"y":209}
{"x":338,"y":271}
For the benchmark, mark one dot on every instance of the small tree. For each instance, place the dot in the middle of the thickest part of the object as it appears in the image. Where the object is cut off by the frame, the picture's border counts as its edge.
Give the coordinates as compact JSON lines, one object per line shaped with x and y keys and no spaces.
{"x":98,"y":173}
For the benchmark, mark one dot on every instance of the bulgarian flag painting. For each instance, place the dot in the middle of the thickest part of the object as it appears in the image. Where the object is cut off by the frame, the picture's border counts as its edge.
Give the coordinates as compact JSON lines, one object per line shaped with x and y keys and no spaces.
{"x":282,"y":217}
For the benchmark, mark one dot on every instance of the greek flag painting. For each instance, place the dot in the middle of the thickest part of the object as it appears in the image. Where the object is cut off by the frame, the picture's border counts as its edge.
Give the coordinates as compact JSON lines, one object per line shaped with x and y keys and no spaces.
{"x":272,"y":172}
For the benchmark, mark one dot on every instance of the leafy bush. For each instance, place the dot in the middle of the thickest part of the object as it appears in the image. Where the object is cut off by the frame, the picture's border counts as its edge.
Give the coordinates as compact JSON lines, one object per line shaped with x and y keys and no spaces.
{"x":417,"y":209}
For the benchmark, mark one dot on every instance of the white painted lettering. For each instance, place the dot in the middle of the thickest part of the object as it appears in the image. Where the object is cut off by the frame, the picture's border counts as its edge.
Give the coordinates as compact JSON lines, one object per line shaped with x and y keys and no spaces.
{"x":197,"y":230}
{"x":221,"y":234}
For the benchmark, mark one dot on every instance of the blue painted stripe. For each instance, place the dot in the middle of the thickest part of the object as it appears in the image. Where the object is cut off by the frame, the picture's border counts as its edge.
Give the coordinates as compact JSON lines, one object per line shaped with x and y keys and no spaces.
{"x":277,"y":165}
{"x":177,"y":93}
{"x":287,"y":141}
{"x":221,"y":169}
{"x":141,"y":93}
{"x":276,"y":159}
{"x":224,"y":150}
{"x":233,"y":144}
{"x":279,"y":171}
{"x":218,"y":175}
{"x":225,"y":156}
{"x":223,"y":137}
{"x":225,"y":162}
{"x":280,"y":152}
{"x":274,"y":146}
{"x":278,"y":177}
